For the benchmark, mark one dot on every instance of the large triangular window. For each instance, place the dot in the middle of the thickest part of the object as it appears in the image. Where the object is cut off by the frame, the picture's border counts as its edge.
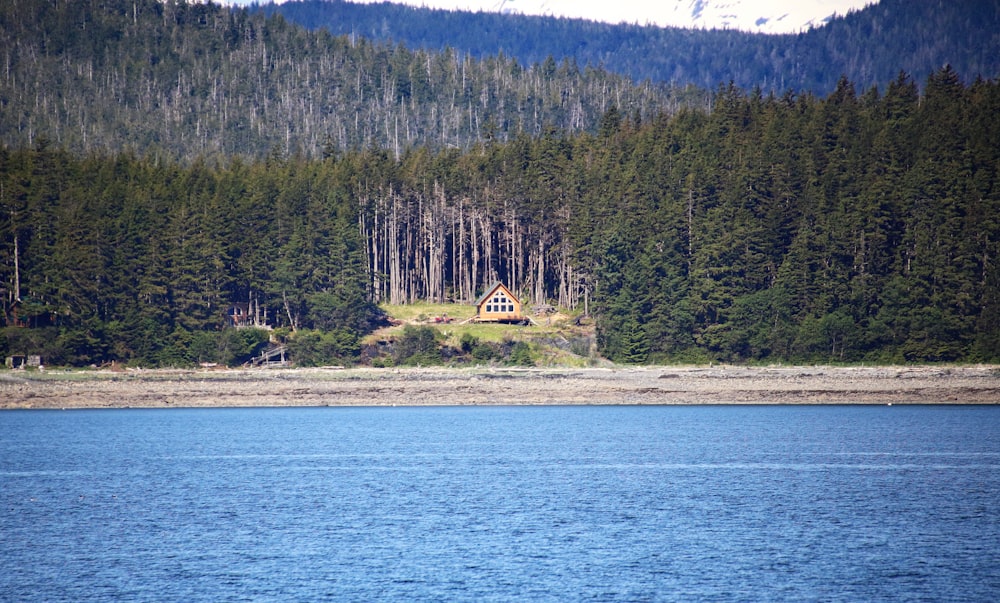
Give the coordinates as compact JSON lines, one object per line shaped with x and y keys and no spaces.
{"x":500,"y":303}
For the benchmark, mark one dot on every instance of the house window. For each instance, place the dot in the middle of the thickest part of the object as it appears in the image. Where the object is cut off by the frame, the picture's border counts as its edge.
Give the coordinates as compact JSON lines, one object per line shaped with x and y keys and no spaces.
{"x":499,"y":303}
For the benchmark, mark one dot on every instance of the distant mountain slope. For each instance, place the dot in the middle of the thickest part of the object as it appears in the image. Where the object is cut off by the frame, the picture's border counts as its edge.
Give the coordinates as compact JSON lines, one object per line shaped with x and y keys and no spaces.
{"x":870,"y":46}
{"x":188,"y":79}
{"x":770,"y":16}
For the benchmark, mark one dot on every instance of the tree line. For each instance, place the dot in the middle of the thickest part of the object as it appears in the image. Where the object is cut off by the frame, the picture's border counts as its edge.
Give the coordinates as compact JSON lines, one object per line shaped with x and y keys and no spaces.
{"x":851,"y":227}
{"x":132,"y":259}
{"x":186,"y":80}
{"x":869,"y":46}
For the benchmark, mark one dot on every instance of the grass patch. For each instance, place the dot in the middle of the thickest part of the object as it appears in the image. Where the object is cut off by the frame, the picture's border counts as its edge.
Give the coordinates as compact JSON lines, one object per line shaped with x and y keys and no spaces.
{"x":425,"y":311}
{"x":555,"y":340}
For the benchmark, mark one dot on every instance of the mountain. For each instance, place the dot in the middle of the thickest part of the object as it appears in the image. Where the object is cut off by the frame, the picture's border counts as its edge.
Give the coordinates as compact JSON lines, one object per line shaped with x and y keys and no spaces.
{"x":757,"y":17}
{"x":187,"y":79}
{"x":162,"y":162}
{"x":742,"y":15}
{"x":869,"y":46}
{"x":852,"y":228}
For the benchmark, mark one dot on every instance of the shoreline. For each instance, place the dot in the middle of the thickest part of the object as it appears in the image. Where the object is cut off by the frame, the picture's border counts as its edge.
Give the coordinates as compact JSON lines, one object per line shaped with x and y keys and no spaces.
{"x":484,"y":386}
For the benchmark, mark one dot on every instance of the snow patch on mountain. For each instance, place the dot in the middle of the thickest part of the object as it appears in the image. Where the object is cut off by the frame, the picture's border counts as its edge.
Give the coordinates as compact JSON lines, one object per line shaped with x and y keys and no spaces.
{"x":760,"y":16}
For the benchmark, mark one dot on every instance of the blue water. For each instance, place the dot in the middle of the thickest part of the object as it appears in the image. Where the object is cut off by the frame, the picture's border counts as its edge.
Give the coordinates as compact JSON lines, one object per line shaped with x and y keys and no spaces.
{"x":501,"y":504}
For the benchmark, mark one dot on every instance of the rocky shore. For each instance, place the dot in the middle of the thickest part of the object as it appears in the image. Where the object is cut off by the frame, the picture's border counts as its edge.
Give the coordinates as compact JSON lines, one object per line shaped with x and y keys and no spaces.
{"x":485,"y":386}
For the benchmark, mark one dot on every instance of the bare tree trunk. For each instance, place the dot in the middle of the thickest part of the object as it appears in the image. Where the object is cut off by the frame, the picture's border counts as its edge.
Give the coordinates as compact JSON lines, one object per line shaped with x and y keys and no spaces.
{"x":438,"y":249}
{"x":476,"y":259}
{"x":17,"y":270}
{"x":539,"y":297}
{"x":288,"y":311}
{"x":411,"y":263}
{"x":489,"y":270}
{"x":461,"y":274}
{"x":565,"y":277}
{"x":392,"y":238}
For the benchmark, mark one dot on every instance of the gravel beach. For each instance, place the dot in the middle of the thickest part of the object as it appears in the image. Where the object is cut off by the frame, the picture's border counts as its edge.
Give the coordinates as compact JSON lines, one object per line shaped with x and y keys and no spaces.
{"x":485,"y":386}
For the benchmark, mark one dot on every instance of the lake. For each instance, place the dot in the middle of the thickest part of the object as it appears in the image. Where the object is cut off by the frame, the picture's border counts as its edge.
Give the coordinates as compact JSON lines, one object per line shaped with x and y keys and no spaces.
{"x":663,"y":503}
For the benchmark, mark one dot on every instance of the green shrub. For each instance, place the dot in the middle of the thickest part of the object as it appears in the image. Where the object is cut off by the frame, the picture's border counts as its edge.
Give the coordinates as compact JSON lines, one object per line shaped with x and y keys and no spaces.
{"x":520,"y":355}
{"x":468,"y":342}
{"x":309,"y":347}
{"x":417,"y":346}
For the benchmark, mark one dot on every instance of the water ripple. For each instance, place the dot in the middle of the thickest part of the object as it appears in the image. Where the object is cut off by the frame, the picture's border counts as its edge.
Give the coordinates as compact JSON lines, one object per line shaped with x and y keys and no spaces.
{"x":502,"y":504}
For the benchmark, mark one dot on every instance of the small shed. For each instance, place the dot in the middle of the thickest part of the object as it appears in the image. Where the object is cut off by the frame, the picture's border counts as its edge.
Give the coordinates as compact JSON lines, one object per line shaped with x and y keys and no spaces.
{"x":498,"y":304}
{"x":19,"y":361}
{"x":239,"y":315}
{"x":246,"y":315}
{"x":29,"y":315}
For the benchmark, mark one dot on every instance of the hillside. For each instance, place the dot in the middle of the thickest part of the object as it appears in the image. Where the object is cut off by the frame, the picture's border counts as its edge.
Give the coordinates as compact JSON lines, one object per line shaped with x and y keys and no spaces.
{"x":169,"y":170}
{"x":870,"y":47}
{"x":852,"y":228}
{"x":185,"y":80}
{"x":553,"y":338}
{"x":743,"y":15}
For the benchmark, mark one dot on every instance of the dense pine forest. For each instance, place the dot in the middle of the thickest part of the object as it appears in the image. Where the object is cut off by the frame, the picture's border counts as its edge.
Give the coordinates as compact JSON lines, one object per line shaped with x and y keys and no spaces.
{"x":869,"y":46}
{"x":168,"y":169}
{"x":187,"y":80}
{"x":863,"y":225}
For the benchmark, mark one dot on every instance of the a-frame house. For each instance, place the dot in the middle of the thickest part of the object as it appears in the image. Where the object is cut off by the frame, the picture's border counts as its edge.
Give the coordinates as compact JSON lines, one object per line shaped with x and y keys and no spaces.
{"x":498,"y":304}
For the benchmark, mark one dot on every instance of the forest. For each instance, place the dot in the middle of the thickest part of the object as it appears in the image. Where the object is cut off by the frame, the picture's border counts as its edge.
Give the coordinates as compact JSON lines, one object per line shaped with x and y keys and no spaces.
{"x":185,"y":80}
{"x":869,"y":46}
{"x":191,"y":80}
{"x":859,"y":226}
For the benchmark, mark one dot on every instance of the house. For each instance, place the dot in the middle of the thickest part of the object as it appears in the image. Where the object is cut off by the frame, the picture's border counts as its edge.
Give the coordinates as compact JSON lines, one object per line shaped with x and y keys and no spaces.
{"x":246,"y":315}
{"x":29,"y":315}
{"x":19,"y":361}
{"x":239,"y":315}
{"x":498,"y":304}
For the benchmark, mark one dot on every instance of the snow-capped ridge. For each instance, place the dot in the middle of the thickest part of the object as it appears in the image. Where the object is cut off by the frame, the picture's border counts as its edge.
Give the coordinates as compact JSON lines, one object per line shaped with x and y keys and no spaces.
{"x":758,"y":16}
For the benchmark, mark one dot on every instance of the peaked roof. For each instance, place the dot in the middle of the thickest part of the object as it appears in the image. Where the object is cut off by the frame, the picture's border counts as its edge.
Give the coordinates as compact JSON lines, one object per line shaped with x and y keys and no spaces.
{"x":492,"y":290}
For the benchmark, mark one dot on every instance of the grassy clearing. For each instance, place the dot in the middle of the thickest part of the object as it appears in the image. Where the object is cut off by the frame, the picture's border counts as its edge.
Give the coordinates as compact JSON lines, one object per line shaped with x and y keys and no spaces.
{"x":427,"y":313}
{"x":549,"y":339}
{"x":422,"y":312}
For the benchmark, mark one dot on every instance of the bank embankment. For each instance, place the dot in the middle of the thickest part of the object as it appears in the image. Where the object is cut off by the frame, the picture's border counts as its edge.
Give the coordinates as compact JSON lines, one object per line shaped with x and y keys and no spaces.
{"x":500,"y":386}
